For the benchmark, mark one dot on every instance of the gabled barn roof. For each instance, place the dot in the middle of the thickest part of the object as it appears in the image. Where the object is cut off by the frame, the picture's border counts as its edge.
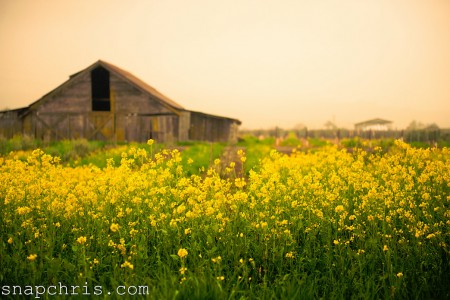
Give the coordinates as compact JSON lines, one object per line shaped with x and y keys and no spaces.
{"x":373,"y":122}
{"x":139,"y":83}
{"x":127,"y":76}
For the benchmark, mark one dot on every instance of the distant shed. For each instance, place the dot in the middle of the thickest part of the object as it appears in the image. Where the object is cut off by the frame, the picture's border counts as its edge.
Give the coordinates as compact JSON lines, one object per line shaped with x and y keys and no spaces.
{"x":374,"y":125}
{"x":104,"y":102}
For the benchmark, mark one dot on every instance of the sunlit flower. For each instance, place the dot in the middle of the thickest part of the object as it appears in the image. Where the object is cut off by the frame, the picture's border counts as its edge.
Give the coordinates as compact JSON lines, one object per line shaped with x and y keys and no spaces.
{"x":114,"y":227}
{"x":339,"y":208}
{"x":182,"y":253}
{"x":32,"y":257}
{"x":81,"y":240}
{"x":217,"y":259}
{"x":289,"y":255}
{"x":127,"y":264}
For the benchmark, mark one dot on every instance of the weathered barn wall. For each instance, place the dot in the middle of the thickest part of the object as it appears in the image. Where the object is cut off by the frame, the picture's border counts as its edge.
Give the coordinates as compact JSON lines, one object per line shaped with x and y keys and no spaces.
{"x":129,"y":99}
{"x":72,"y":96}
{"x":211,"y":128}
{"x":184,"y":125}
{"x":10,"y":123}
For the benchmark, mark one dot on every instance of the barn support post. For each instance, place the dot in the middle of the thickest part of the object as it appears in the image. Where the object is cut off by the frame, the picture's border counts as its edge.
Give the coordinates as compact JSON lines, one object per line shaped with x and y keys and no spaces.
{"x":69,"y":129}
{"x":114,"y":128}
{"x":183,"y":126}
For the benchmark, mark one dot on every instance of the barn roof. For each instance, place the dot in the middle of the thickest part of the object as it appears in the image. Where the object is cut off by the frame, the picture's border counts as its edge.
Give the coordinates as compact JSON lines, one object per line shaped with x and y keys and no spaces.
{"x":127,"y":76}
{"x":376,"y":121}
{"x":139,"y":83}
{"x":216,"y":116}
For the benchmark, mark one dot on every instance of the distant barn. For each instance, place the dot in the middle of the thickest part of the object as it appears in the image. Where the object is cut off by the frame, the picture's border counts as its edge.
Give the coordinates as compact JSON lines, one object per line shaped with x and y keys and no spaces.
{"x":374,"y":125}
{"x":104,"y":102}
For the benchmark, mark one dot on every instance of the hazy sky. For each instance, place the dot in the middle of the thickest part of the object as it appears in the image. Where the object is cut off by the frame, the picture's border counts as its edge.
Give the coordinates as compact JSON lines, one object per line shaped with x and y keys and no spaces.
{"x":267,"y":63}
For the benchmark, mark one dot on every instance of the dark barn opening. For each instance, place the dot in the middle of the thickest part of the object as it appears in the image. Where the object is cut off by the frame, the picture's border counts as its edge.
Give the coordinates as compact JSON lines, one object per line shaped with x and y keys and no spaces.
{"x":100,"y":90}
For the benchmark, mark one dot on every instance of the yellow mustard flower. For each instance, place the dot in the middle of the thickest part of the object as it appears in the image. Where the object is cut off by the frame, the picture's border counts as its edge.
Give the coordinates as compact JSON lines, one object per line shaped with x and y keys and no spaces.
{"x":127,"y":264}
{"x":182,"y":253}
{"x":81,"y":240}
{"x":114,"y":227}
{"x":32,"y":257}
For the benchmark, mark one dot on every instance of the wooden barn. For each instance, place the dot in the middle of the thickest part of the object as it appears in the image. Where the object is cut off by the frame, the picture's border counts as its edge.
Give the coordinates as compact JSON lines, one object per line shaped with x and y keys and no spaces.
{"x":104,"y":102}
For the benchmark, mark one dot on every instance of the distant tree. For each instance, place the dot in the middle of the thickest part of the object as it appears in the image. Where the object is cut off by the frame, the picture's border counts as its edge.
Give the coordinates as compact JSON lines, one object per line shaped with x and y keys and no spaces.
{"x":299,"y":126}
{"x":415,"y":125}
{"x":431,"y":127}
{"x":330,"y":125}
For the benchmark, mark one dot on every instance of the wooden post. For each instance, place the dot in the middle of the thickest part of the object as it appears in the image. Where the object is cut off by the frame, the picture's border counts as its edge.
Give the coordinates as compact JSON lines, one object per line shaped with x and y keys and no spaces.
{"x":112,"y":96}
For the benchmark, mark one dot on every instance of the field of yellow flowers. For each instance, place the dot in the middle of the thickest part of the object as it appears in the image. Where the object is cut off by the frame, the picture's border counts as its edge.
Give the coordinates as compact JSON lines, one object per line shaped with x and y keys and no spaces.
{"x":327,"y":223}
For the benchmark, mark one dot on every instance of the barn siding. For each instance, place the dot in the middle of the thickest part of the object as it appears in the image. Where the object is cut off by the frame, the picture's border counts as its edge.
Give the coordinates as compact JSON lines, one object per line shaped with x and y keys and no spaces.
{"x":10,"y":124}
{"x":74,"y":96}
{"x":211,"y":128}
{"x":129,"y":99}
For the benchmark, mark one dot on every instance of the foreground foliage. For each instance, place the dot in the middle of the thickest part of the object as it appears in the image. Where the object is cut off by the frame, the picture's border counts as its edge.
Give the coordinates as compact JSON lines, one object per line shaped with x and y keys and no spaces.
{"x":325,"y":224}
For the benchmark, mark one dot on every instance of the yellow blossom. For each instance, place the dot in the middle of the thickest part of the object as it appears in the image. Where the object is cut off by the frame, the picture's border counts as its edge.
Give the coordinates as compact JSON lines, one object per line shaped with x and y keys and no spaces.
{"x":81,"y":240}
{"x":289,"y":255}
{"x":182,"y":253}
{"x":114,"y":227}
{"x":339,"y":208}
{"x":218,"y":259}
{"x":32,"y":257}
{"x":127,"y":264}
{"x":430,"y":236}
